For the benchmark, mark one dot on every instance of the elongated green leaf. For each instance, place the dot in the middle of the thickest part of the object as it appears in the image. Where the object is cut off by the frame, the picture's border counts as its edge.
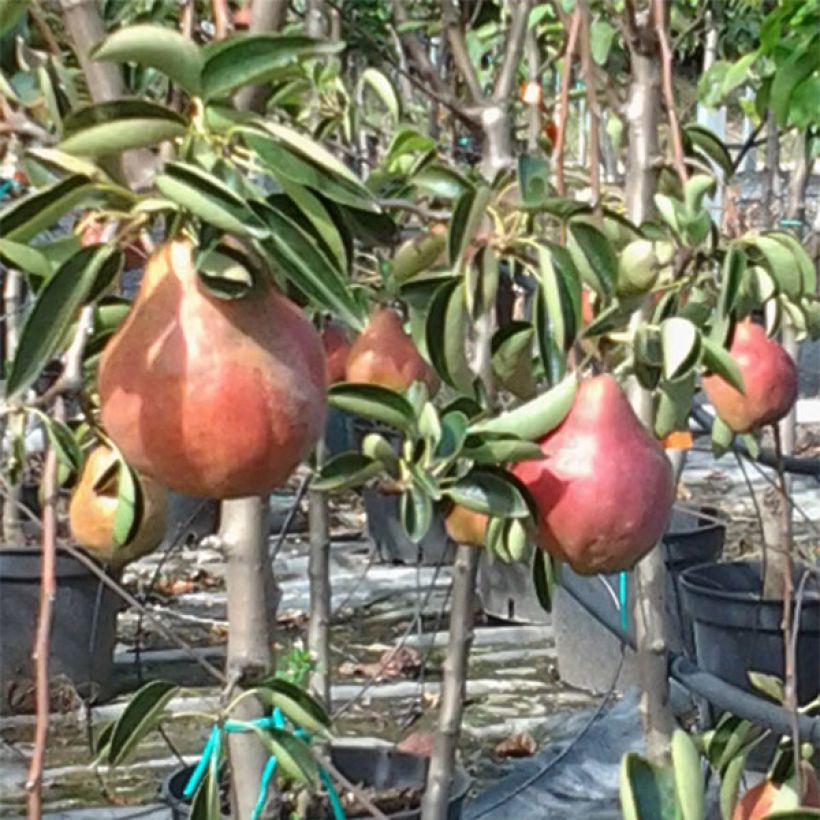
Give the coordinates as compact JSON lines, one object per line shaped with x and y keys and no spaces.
{"x":111,"y":127}
{"x":769,"y":685}
{"x":717,"y":359}
{"x":26,"y":217}
{"x":687,"y":776}
{"x":307,"y":267}
{"x":544,"y":576}
{"x":801,"y":258}
{"x":705,"y":140}
{"x":681,"y":342}
{"x":373,"y":402}
{"x":416,"y":510}
{"x":440,"y":181}
{"x":296,"y":704}
{"x":209,"y":199}
{"x":646,"y":791}
{"x":417,"y":255}
{"x":65,"y":446}
{"x":468,"y":214}
{"x":57,"y":302}
{"x":493,"y":449}
{"x":491,"y":492}
{"x":594,"y":257}
{"x":722,"y":437}
{"x":141,"y":716}
{"x":24,"y":258}
{"x":346,"y":470}
{"x":446,"y":334}
{"x":730,"y":786}
{"x":788,"y":75}
{"x":10,"y":12}
{"x":256,"y":58}
{"x":782,"y":264}
{"x":152,"y":46}
{"x":384,"y":90}
{"x":731,"y":279}
{"x":129,"y":505}
{"x":294,"y":756}
{"x":481,"y":282}
{"x":512,"y":352}
{"x":289,"y":154}
{"x":536,"y":417}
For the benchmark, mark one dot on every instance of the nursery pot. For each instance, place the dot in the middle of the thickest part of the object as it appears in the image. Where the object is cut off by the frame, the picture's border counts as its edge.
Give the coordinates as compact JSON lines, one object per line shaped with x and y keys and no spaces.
{"x":371,"y":767}
{"x":83,"y":631}
{"x":507,"y":592}
{"x":736,"y":632}
{"x":588,"y":652}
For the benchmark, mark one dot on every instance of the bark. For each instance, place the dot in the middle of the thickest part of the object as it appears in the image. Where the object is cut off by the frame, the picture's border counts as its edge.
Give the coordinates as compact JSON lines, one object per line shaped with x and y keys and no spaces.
{"x":315,"y":23}
{"x":771,"y":177}
{"x":85,"y":28}
{"x":243,"y":531}
{"x":266,"y":15}
{"x":453,"y":693}
{"x":533,"y":76}
{"x":642,"y":116}
{"x":15,"y":422}
{"x":320,"y":591}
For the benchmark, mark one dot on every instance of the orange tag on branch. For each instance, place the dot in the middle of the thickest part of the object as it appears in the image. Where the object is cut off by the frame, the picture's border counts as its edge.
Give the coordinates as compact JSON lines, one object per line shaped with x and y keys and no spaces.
{"x":531,"y":93}
{"x":679,"y":440}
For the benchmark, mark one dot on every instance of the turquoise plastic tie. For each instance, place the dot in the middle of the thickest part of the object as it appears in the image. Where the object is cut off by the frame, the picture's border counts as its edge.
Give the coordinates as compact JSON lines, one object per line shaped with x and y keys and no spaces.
{"x":622,"y":598}
{"x":199,"y":772}
{"x":335,"y":802}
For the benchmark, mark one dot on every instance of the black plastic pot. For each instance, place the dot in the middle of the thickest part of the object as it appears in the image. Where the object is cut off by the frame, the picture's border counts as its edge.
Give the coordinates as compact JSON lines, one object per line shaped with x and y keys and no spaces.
{"x":507,"y":592}
{"x":83,"y":632}
{"x":736,"y":632}
{"x":588,"y":653}
{"x":379,"y":767}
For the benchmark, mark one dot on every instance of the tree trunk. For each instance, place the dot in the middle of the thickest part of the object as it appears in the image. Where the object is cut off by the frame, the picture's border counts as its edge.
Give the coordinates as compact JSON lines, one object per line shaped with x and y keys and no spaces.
{"x":454,"y":684}
{"x":266,"y":15}
{"x":243,"y":531}
{"x":650,"y":574}
{"x":770,"y":188}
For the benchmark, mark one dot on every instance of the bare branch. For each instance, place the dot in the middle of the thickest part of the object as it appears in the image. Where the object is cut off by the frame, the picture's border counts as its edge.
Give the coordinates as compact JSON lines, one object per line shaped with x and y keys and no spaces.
{"x":515,"y":45}
{"x":668,"y":91}
{"x":590,"y":82}
{"x":222,"y":19}
{"x":455,"y":37}
{"x":563,"y":105}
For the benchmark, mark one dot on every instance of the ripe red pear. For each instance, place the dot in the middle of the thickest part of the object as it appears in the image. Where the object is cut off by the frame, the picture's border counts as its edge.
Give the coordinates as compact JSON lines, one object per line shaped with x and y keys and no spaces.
{"x":337,"y":348}
{"x":769,"y":379}
{"x":768,"y":797}
{"x":605,"y":488}
{"x":212,"y":397}
{"x":93,"y":510}
{"x":385,"y":355}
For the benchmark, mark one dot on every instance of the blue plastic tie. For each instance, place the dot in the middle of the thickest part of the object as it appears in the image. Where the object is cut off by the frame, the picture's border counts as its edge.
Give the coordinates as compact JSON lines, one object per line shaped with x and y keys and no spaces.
{"x":622,"y":598}
{"x":335,"y":802}
{"x":199,"y":772}
{"x":267,"y":776}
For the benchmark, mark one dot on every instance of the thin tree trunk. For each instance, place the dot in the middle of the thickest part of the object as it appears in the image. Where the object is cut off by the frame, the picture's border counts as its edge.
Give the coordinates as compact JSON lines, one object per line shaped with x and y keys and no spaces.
{"x":320,"y":591}
{"x":315,"y":24}
{"x":243,"y":532}
{"x":650,"y":573}
{"x":533,"y":110}
{"x":770,"y":188}
{"x":15,"y":422}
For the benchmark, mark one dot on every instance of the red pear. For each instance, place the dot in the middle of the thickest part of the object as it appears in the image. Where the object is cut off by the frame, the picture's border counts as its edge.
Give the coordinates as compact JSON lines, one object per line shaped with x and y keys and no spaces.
{"x":337,"y":348}
{"x":466,"y":526}
{"x":212,"y":397}
{"x":385,"y":355}
{"x":605,"y":488}
{"x":769,"y":378}
{"x":767,"y":797}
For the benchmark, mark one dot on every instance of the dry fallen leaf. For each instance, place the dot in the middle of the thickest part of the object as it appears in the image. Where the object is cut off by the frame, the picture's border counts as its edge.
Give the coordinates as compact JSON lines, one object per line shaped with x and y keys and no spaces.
{"x":518,"y":745}
{"x":394,"y":663}
{"x":417,"y":743}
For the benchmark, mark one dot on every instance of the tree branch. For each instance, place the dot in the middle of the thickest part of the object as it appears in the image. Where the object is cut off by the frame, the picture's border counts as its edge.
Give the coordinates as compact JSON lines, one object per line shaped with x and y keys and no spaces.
{"x":515,"y":45}
{"x":563,"y":104}
{"x":455,"y":37}
{"x":588,"y":70}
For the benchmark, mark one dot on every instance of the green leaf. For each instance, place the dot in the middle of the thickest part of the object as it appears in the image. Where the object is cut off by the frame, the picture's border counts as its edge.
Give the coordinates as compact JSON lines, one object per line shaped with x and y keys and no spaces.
{"x":730,"y":786}
{"x":293,"y":754}
{"x":373,"y":402}
{"x":536,"y":417}
{"x":594,"y":257}
{"x":256,"y":58}
{"x":55,"y":308}
{"x":801,"y":64}
{"x":65,"y":446}
{"x":28,"y":216}
{"x":681,"y":342}
{"x":346,"y":470}
{"x":512,"y":351}
{"x":492,"y":449}
{"x":206,"y":802}
{"x":209,"y":199}
{"x":533,"y":177}
{"x":801,"y":258}
{"x":674,"y":405}
{"x":296,"y":704}
{"x":10,"y":12}
{"x":383,"y":88}
{"x":730,"y":737}
{"x":299,"y":256}
{"x":718,"y":360}
{"x":446,"y":334}
{"x":769,"y":685}
{"x":129,"y":503}
{"x":781,"y":262}
{"x":722,"y":437}
{"x":702,"y":138}
{"x":601,"y":37}
{"x":224,"y":272}
{"x":561,"y":289}
{"x":544,"y":576}
{"x":647,"y":792}
{"x":417,"y":255}
{"x":141,"y":716}
{"x":453,"y":434}
{"x":489,"y":491}
{"x":159,"y":47}
{"x":687,"y":776}
{"x":441,"y":182}
{"x":732,"y":275}
{"x":481,"y":282}
{"x":416,"y":510}
{"x":24,"y":258}
{"x":287,"y":153}
{"x":110,"y":127}
{"x":468,"y":214}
